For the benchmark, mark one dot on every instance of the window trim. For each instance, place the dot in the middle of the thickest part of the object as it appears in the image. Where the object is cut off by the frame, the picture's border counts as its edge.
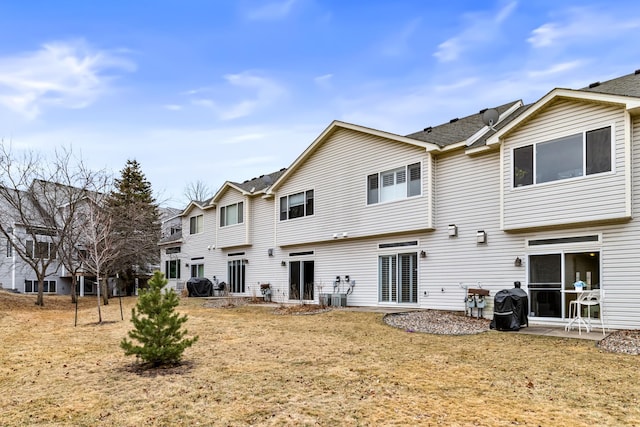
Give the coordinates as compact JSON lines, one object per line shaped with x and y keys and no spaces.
{"x":33,"y":249}
{"x":584,"y":175}
{"x":415,"y":262}
{"x":407,"y":184}
{"x":305,"y":205}
{"x":198,"y":269}
{"x":196,"y":224}
{"x":33,"y":286}
{"x":168,"y":268}
{"x":239,"y":214}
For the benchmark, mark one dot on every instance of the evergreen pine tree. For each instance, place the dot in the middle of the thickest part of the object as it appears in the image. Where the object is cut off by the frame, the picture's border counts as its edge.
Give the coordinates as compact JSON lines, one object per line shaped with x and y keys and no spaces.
{"x":137,"y":221}
{"x":157,"y":327}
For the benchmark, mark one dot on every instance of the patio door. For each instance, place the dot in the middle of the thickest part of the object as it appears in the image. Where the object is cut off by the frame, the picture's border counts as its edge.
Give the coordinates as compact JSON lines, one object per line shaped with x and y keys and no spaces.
{"x":551,"y":273}
{"x":398,"y":278}
{"x":301,"y":280}
{"x":236,"y":274}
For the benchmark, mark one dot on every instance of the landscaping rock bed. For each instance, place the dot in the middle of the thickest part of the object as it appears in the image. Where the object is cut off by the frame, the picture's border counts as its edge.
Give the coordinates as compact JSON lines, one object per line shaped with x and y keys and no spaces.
{"x":437,"y":322}
{"x":453,"y":323}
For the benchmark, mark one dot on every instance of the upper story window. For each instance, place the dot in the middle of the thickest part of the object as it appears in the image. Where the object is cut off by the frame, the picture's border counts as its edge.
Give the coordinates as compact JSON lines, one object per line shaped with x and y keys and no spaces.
{"x":296,"y":205}
{"x":231,"y":214}
{"x":572,"y":156}
{"x":44,"y":250}
{"x":196,"y":224}
{"x":394,"y":184}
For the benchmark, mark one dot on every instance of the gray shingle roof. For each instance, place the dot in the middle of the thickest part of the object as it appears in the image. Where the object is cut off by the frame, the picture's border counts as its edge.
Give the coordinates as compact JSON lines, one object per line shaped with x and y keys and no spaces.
{"x":628,"y":85}
{"x":260,"y":183}
{"x":457,"y":130}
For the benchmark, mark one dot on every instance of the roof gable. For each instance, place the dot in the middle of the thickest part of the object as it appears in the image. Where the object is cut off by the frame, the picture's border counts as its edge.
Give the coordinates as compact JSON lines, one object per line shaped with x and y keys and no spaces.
{"x":252,"y":186}
{"x":629,"y":103}
{"x":326,"y":134}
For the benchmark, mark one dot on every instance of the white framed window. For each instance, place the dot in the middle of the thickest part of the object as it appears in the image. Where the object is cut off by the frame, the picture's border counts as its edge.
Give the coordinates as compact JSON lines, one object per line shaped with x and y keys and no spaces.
{"x":296,"y":205}
{"x":44,"y":250}
{"x":48,"y":286}
{"x":197,"y":270}
{"x":572,"y":156}
{"x":394,"y":184}
{"x":231,"y":214}
{"x":172,"y":269}
{"x":196,"y":224}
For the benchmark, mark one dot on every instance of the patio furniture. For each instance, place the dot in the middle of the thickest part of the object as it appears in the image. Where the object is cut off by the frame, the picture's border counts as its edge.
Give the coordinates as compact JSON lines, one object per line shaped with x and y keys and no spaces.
{"x":590,"y":299}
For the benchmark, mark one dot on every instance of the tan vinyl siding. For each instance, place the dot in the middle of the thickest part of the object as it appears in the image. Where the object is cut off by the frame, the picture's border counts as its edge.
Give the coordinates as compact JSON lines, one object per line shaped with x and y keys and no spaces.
{"x":193,"y":246}
{"x":620,"y":254}
{"x":468,"y":196}
{"x":261,"y":268}
{"x":337,"y":172}
{"x":594,"y":198}
{"x":236,"y":234}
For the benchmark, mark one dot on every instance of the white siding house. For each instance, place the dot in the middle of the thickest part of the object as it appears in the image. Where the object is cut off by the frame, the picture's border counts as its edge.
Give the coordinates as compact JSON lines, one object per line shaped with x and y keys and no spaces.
{"x":547,"y":195}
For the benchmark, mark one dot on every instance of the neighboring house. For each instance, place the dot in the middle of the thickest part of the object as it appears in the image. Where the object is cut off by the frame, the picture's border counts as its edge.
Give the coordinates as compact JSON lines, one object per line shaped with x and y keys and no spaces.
{"x":544,"y":197}
{"x":29,"y":227}
{"x":221,"y":234}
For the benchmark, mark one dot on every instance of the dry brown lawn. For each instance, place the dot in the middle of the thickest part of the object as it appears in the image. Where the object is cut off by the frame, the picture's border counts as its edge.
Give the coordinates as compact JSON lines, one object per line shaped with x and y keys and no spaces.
{"x":254,"y":367}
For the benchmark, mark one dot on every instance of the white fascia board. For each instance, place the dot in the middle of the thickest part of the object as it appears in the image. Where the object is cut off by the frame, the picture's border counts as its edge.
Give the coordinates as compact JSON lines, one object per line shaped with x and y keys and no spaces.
{"x":482,"y":131}
{"x":344,"y":125}
{"x":629,"y":103}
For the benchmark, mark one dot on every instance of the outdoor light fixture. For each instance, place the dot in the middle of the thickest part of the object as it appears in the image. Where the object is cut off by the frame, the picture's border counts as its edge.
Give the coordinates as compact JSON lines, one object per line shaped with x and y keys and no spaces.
{"x":453,"y":230}
{"x":335,"y":235}
{"x":345,"y":234}
{"x":481,"y":237}
{"x":283,"y":263}
{"x":346,"y":278}
{"x":423,"y":254}
{"x":518,"y":262}
{"x":270,"y":251}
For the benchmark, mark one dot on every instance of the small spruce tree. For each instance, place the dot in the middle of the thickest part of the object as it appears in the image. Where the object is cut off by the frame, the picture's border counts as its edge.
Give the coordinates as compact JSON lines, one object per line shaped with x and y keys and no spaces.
{"x":157,"y":326}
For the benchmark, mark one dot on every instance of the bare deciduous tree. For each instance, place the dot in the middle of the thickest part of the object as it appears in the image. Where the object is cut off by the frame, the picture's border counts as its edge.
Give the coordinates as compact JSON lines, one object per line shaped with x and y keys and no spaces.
{"x":102,"y":245}
{"x":198,"y":191}
{"x":71,"y":247}
{"x":38,"y":198}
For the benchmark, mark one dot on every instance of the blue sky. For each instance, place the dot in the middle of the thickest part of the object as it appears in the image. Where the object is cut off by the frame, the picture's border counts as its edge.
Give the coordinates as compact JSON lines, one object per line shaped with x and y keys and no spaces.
{"x":229,"y":90}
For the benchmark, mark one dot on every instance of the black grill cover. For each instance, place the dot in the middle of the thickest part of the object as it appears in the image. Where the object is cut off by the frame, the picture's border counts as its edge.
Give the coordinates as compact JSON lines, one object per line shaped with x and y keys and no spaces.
{"x":510,"y":310}
{"x":199,"y":287}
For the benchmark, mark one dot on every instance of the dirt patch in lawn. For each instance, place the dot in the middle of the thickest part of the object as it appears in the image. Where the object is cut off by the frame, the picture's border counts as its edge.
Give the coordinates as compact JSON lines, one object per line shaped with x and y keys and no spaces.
{"x":251,"y":367}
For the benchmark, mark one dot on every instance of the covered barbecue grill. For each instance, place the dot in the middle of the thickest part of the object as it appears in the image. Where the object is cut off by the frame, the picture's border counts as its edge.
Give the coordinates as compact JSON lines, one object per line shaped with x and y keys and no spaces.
{"x":199,"y":287}
{"x":510,"y":310}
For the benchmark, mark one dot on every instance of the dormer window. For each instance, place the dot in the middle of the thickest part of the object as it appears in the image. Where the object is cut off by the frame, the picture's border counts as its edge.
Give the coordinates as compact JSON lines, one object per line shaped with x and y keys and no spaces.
{"x":196,"y":224}
{"x":578,"y":155}
{"x":231,"y":214}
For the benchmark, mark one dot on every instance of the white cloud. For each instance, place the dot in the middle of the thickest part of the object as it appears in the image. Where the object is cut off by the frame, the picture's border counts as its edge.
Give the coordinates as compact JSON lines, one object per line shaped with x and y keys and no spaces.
{"x":271,"y":11}
{"x":398,"y":44}
{"x":556,"y":69}
{"x":173,"y":107}
{"x":60,"y":74}
{"x":264,"y":92}
{"x":481,"y":28}
{"x":323,"y":81}
{"x":581,"y":24}
{"x":243,"y":138}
